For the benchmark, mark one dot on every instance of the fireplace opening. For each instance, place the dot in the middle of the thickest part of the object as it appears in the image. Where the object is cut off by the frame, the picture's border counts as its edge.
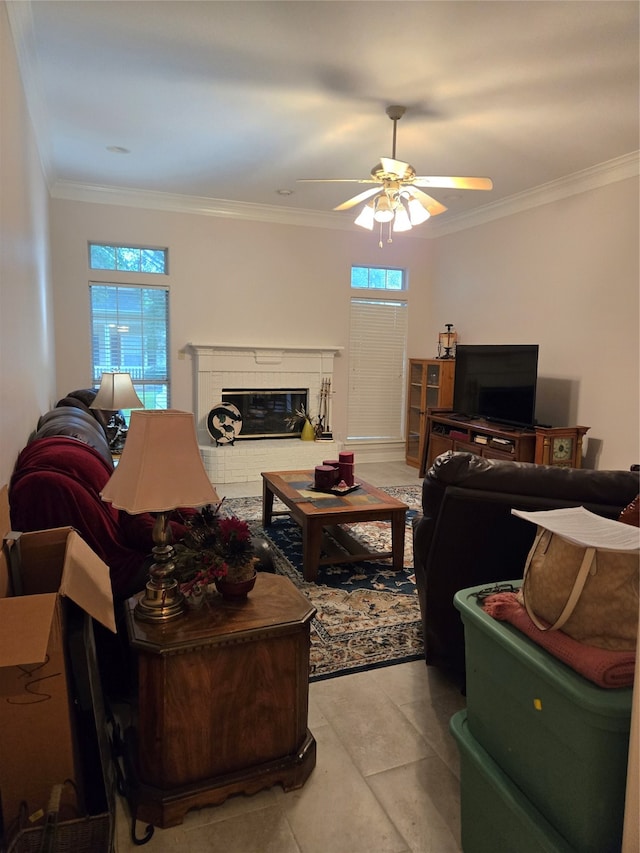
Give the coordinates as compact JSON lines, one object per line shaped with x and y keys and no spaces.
{"x":264,"y":411}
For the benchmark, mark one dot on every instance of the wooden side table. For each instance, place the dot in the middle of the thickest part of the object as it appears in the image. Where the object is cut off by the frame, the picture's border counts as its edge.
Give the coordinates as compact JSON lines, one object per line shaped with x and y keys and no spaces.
{"x":222,"y":702}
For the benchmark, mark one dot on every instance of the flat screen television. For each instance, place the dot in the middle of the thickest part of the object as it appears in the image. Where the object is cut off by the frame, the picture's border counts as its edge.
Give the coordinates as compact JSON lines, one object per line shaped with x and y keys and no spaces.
{"x":496,"y":382}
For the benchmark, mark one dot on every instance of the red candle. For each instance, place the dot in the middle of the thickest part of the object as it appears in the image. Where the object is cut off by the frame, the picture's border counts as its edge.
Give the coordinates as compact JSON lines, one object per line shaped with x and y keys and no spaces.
{"x":333,"y":463}
{"x":325,"y":477}
{"x":346,"y":472}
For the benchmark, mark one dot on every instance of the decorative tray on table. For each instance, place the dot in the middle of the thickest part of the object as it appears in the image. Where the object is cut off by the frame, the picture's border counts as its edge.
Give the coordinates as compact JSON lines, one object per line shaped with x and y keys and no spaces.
{"x":335,"y":490}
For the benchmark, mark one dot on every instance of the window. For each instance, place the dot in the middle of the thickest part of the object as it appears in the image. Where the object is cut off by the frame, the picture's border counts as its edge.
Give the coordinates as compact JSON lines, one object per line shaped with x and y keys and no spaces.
{"x":377,"y":278}
{"x":127,"y":258}
{"x":129,"y":333}
{"x":377,"y":355}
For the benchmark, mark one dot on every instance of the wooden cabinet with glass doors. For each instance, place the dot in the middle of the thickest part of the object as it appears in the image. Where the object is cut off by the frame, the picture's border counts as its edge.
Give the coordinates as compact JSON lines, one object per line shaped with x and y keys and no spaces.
{"x":430,"y":386}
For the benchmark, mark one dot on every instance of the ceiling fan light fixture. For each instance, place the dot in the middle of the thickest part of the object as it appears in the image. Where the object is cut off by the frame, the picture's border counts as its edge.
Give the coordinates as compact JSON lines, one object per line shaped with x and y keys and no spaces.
{"x":400,"y":203}
{"x":402,"y":222}
{"x":383,"y":209}
{"x":365,"y":218}
{"x":417,"y":213}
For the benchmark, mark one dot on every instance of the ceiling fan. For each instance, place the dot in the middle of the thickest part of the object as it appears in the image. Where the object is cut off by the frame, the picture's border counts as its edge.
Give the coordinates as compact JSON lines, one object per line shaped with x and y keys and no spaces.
{"x":396,"y":197}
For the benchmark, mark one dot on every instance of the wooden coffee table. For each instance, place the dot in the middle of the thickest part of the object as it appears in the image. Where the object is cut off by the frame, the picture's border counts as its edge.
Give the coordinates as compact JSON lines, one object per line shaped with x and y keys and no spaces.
{"x":316,"y":512}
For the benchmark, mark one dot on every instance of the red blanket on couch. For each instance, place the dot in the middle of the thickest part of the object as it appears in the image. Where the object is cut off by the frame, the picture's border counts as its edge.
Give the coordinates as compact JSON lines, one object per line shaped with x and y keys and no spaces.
{"x":57,"y":482}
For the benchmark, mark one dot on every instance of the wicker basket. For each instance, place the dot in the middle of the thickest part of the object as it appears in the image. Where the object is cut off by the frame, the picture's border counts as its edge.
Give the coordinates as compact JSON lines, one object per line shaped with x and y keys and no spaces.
{"x":92,"y":834}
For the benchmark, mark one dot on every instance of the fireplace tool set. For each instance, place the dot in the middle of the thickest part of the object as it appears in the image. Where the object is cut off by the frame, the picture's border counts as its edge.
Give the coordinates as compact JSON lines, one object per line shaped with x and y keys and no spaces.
{"x":323,"y":430}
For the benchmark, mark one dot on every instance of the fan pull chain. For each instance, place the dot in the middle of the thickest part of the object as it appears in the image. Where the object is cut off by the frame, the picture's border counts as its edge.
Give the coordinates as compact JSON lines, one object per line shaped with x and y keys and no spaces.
{"x":389,"y":237}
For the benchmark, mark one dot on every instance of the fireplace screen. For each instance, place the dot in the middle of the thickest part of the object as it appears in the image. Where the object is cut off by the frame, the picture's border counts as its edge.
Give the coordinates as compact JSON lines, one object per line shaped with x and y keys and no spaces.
{"x":264,"y":412}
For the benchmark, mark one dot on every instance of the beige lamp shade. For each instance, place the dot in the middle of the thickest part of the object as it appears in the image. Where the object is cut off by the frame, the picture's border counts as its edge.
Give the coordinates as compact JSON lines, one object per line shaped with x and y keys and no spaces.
{"x":161,"y":467}
{"x":116,"y":392}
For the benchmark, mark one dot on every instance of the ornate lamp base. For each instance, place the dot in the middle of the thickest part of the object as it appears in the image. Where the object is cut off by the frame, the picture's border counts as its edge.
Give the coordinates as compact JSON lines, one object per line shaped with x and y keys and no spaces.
{"x":159,"y":604}
{"x":162,"y":599}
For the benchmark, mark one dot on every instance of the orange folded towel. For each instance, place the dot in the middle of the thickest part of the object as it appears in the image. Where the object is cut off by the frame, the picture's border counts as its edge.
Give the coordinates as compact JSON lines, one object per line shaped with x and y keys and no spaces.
{"x":605,"y":668}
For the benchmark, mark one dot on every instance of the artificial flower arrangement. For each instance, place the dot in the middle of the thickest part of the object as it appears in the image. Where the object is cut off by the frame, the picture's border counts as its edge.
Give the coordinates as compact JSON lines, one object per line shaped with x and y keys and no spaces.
{"x":299,"y":418}
{"x":215,"y":547}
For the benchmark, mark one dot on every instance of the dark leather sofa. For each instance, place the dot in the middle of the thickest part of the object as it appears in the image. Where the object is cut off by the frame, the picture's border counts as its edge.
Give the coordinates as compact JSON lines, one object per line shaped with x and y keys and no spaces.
{"x":467,"y":535}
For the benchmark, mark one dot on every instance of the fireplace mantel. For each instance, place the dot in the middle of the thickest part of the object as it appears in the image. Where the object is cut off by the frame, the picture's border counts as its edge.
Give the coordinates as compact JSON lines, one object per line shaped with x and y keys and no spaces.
{"x":261,"y":354}
{"x":220,"y":366}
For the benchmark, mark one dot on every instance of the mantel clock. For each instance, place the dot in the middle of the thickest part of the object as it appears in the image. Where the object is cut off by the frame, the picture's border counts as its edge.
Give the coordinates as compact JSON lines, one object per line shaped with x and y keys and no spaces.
{"x":560,"y":446}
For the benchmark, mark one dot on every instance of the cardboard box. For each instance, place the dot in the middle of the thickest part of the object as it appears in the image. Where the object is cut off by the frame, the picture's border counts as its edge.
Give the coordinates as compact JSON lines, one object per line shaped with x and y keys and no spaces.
{"x":38,"y":738}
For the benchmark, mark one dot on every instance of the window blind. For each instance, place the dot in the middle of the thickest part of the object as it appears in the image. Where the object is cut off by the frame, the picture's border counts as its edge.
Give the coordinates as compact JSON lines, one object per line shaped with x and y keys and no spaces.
{"x":129,"y":328}
{"x":377,"y":359}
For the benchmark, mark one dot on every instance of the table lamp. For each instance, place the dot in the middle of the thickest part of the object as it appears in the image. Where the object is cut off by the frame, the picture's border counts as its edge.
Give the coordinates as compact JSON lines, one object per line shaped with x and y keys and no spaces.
{"x":116,"y":392}
{"x":447,"y":342}
{"x":160,"y":469}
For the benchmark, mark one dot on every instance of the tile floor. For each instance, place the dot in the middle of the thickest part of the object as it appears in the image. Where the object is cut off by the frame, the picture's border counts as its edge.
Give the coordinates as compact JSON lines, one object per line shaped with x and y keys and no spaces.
{"x":387,"y":773}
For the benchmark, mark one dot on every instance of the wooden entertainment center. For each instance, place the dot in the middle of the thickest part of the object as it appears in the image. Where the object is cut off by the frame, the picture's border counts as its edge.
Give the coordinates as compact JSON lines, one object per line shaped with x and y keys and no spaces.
{"x":433,"y":427}
{"x":560,"y":446}
{"x":446,"y":432}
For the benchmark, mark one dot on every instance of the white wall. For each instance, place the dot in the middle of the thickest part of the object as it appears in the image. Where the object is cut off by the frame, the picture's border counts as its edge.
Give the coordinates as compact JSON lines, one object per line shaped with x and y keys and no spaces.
{"x":27,"y":359}
{"x":565,"y":276}
{"x":231,"y":282}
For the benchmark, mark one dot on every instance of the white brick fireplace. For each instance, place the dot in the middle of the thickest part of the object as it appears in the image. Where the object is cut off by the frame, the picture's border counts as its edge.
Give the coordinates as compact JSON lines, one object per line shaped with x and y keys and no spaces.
{"x":258,"y":368}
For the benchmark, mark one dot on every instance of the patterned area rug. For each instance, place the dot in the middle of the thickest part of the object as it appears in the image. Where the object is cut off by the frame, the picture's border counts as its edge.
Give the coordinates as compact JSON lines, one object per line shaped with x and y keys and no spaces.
{"x":367,"y":614}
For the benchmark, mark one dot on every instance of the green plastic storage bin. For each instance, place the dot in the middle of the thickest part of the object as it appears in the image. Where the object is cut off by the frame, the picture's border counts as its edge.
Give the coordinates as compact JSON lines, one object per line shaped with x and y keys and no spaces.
{"x":496,"y":816}
{"x":561,"y":739}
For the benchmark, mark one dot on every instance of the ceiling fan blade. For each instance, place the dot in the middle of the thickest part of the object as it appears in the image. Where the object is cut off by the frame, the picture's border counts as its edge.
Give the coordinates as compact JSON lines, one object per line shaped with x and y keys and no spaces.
{"x":357,"y":199}
{"x":453,"y":183}
{"x":434,"y":207}
{"x":396,"y":167}
{"x":336,"y":181}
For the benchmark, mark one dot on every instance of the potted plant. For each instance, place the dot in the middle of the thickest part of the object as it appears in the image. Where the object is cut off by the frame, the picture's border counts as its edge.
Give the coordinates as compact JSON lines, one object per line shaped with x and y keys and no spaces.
{"x":216,"y":550}
{"x":301,"y":419}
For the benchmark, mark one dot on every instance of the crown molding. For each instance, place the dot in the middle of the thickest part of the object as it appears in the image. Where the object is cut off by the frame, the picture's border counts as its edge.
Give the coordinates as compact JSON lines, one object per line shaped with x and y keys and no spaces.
{"x":618,"y":169}
{"x":176,"y":203}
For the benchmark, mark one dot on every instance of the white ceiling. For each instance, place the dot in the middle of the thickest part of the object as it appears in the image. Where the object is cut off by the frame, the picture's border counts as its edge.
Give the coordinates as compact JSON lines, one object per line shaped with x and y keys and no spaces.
{"x":236,"y":100}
